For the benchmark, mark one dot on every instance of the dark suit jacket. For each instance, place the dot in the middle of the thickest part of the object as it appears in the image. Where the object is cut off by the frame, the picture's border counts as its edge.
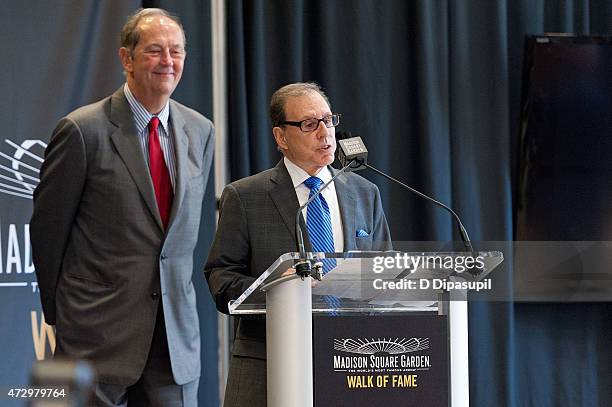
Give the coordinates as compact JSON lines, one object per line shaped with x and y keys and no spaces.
{"x":103,"y":260}
{"x":257,"y":225}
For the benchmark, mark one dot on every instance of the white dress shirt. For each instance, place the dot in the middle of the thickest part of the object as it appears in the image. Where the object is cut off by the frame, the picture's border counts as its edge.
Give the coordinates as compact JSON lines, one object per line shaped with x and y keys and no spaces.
{"x":141,"y":120}
{"x":298,"y":176}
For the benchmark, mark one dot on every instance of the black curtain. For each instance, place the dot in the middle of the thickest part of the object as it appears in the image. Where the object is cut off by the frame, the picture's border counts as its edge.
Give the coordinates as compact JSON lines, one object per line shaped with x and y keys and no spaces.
{"x":433,"y":88}
{"x":424,"y":83}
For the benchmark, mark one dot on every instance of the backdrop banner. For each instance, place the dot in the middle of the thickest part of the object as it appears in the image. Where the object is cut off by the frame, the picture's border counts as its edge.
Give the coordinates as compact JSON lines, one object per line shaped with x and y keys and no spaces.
{"x":63,"y":55}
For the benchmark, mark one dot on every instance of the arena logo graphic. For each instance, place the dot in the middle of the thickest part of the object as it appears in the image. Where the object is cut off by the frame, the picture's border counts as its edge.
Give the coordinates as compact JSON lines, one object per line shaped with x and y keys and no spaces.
{"x":19,"y":176}
{"x":381,"y":354}
{"x":372,"y":346}
{"x":19,"y":169}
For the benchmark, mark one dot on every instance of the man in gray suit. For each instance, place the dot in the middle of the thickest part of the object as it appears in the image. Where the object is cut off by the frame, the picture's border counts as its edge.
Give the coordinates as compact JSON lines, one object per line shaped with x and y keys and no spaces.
{"x":257,"y":222}
{"x":115,"y":222}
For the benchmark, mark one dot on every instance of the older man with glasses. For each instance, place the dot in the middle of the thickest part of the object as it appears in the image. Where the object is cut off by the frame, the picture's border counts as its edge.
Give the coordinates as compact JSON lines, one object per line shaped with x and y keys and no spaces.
{"x":257,"y":222}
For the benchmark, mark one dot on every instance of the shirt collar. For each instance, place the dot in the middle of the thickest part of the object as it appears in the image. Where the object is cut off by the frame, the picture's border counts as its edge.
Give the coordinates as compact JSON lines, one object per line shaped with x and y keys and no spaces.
{"x":298,"y":175}
{"x":142,"y":117}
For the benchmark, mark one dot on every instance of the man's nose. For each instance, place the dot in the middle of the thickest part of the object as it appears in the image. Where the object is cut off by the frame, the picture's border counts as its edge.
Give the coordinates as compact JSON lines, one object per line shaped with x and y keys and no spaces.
{"x":166,"y":57}
{"x":321,"y":129}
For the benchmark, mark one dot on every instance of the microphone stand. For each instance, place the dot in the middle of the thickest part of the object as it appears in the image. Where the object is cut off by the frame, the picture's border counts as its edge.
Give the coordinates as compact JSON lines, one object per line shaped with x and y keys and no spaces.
{"x":462,"y":232}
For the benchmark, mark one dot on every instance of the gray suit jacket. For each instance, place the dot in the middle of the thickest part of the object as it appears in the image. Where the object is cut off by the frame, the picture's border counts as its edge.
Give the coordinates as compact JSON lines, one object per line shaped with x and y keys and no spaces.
{"x":103,"y":261}
{"x":257,"y":225}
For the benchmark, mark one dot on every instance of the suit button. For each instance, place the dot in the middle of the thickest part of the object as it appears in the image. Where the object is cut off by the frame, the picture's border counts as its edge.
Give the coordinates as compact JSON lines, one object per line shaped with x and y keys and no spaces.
{"x":155,"y":295}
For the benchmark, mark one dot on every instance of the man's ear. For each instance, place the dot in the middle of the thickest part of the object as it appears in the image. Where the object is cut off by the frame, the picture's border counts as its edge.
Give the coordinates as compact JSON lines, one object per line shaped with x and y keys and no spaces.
{"x":126,"y":59}
{"x":279,"y":136}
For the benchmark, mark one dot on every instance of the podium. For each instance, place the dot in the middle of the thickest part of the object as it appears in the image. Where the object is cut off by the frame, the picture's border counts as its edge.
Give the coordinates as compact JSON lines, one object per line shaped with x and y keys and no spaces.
{"x":364,"y":283}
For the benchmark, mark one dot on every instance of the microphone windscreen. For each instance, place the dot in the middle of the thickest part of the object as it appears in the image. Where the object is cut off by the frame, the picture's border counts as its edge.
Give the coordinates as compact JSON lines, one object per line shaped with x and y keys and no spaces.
{"x":352,"y":148}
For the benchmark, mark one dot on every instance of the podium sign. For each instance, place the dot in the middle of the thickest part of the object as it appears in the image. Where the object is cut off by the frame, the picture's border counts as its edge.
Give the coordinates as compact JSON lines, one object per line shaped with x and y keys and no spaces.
{"x":381,"y":360}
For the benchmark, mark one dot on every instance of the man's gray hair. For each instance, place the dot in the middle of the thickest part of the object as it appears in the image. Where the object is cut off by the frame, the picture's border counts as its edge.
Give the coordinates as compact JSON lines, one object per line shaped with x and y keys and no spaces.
{"x":279,"y":98}
{"x":130,"y":34}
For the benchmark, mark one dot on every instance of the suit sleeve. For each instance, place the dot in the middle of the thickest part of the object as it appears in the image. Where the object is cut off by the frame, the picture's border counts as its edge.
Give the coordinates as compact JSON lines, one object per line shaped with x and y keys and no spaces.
{"x":227,"y":267}
{"x":56,"y":201}
{"x":381,"y":237}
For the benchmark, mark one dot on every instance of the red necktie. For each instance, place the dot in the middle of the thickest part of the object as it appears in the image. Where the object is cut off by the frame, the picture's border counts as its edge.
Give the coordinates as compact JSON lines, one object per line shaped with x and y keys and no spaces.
{"x":159,"y":173}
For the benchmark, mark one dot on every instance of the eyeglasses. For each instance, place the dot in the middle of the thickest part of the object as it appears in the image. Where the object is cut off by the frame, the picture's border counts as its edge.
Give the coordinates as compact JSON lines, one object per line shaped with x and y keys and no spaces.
{"x":312,"y":124}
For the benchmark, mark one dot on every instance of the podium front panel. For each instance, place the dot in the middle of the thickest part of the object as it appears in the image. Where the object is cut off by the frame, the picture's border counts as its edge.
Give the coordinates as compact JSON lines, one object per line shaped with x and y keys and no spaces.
{"x":381,"y":360}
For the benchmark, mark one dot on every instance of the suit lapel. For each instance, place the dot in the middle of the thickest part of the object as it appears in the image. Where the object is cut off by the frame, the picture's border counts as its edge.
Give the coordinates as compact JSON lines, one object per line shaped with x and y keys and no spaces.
{"x":282,"y":194}
{"x":127,"y":144}
{"x":347,"y":204}
{"x":180,"y":138}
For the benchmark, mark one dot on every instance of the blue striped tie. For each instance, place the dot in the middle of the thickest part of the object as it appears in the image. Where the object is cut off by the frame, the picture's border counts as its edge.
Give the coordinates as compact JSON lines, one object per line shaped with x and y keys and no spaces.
{"x":320,"y":232}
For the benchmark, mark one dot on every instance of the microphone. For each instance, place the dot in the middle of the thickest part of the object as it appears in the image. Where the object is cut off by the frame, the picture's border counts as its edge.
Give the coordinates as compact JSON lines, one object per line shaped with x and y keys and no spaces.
{"x":303,"y":266}
{"x":354,"y":148}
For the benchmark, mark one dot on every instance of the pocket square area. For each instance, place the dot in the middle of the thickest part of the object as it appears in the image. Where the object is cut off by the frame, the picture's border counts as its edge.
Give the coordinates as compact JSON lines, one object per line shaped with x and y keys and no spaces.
{"x":362,"y":233}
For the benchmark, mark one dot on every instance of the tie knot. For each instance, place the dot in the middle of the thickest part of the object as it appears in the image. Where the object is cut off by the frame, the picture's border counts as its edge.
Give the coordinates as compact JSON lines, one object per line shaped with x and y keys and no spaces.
{"x":313,"y":183}
{"x":154,"y":123}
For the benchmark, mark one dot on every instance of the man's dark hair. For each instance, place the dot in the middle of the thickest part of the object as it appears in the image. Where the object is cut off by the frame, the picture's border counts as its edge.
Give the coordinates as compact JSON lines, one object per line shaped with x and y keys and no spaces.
{"x":279,"y":98}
